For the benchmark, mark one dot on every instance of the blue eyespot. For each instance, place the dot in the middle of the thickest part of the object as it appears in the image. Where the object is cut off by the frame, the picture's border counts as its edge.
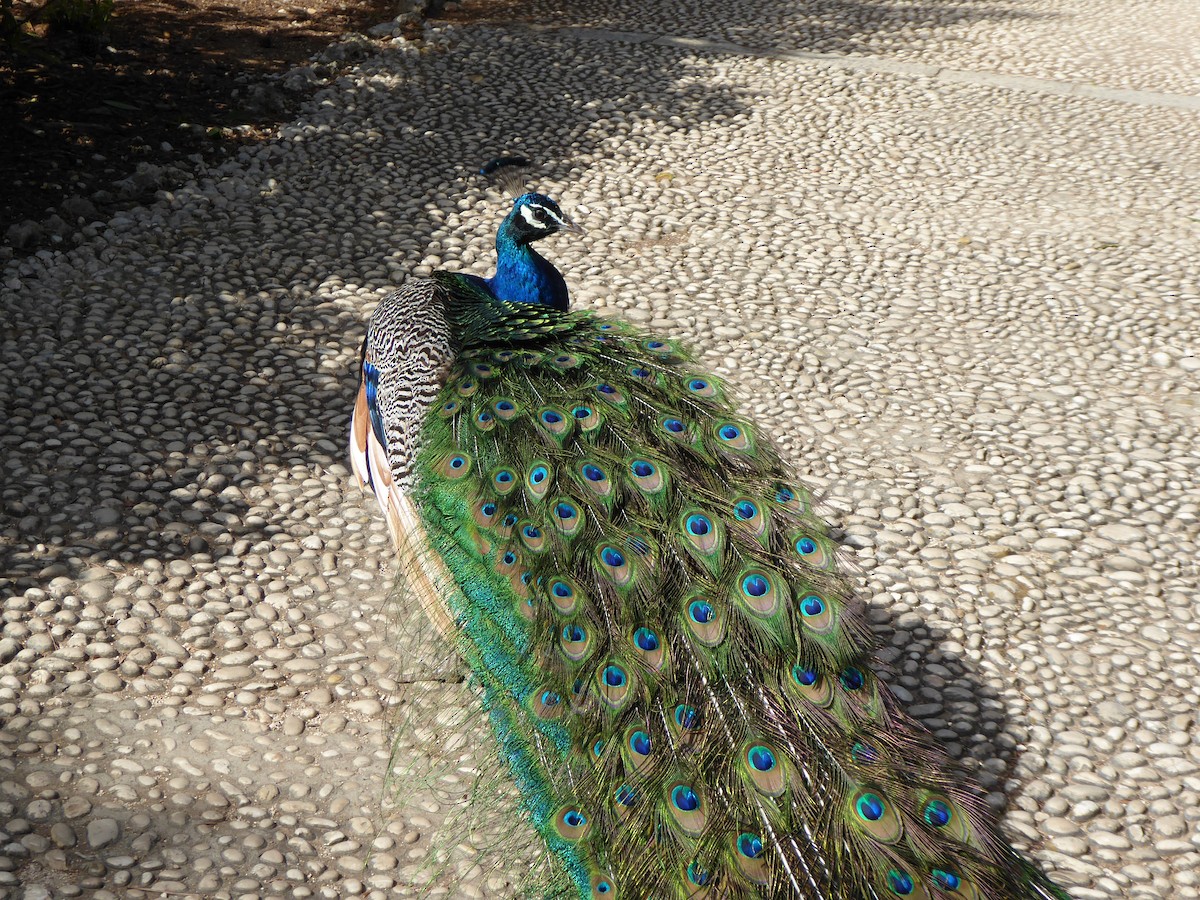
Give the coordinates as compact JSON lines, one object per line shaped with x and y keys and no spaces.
{"x":852,"y":679}
{"x":509,"y":558}
{"x":937,"y":814}
{"x":730,"y":432}
{"x":870,"y":807}
{"x":806,"y":546}
{"x":510,"y":520}
{"x":549,"y":698}
{"x":531,"y":532}
{"x":506,"y":406}
{"x":783,"y":495}
{"x":593,"y":473}
{"x":686,"y":717}
{"x":745,"y":510}
{"x":551,"y":418}
{"x":540,"y":474}
{"x":606,"y":389}
{"x":697,"y":875}
{"x":806,"y":677}
{"x":564,"y":511}
{"x":750,"y":845}
{"x":639,"y":372}
{"x":574,"y":634}
{"x":762,"y":759}
{"x":899,"y":882}
{"x":700,"y":611}
{"x":504,"y":476}
{"x":645,"y":639}
{"x":561,"y":589}
{"x":947,"y":880}
{"x":699,"y":525}
{"x":614,"y":676}
{"x":612,"y":557}
{"x":581,"y":412}
{"x":755,"y":585}
{"x":685,"y":798}
{"x":489,"y":509}
{"x":625,"y":795}
{"x":639,"y":742}
{"x":574,"y":818}
{"x":655,"y":345}
{"x":642,"y":469}
{"x":697,"y":384}
{"x":674,"y":426}
{"x":812,"y":605}
{"x":457,"y":462}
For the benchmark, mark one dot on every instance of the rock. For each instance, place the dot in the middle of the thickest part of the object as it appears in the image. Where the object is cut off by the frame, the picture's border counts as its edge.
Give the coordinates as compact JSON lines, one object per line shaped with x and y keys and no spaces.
{"x":75,"y":807}
{"x":24,"y":235}
{"x":102,"y":832}
{"x":1112,"y":712}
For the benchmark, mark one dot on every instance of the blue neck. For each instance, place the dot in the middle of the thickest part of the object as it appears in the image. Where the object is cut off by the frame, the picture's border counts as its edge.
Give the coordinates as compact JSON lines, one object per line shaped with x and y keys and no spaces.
{"x":522,"y":276}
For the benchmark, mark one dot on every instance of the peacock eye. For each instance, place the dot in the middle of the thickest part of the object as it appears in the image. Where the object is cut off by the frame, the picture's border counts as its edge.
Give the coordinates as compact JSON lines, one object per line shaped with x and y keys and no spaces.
{"x":537,"y":216}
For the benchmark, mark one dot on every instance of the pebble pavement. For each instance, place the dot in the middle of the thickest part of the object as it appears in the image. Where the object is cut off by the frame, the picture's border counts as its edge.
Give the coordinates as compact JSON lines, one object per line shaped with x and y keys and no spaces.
{"x":968,"y":311}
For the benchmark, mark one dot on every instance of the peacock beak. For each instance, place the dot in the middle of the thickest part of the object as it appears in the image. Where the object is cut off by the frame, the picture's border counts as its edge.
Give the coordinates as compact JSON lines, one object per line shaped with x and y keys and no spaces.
{"x":569,"y":225}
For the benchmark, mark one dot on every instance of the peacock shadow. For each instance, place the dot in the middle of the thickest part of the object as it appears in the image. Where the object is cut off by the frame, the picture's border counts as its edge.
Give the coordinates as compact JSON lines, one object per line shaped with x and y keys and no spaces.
{"x":942,"y":690}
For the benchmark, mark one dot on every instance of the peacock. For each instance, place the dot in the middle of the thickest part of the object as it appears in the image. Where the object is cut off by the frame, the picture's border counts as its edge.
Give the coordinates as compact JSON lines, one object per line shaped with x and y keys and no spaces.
{"x":675,"y":668}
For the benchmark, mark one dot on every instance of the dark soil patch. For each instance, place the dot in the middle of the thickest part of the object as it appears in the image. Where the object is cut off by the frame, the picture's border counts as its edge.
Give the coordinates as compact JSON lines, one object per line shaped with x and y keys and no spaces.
{"x":80,"y":111}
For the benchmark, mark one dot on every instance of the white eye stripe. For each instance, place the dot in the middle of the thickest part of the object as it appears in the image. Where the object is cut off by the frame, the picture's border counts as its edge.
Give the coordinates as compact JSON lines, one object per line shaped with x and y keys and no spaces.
{"x":529,"y":214}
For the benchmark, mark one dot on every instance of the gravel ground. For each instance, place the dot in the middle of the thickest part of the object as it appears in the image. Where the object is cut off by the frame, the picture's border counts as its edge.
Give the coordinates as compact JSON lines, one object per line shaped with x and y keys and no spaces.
{"x":969,"y":313}
{"x":1141,"y":44}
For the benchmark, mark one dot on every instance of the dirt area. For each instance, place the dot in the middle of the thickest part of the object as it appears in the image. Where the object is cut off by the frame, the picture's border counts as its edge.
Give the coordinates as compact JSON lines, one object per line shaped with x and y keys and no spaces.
{"x":80,"y":111}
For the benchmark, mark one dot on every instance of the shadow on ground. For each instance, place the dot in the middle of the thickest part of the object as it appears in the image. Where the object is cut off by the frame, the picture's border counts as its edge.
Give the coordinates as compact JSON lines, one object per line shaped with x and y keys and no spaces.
{"x":86,"y":109}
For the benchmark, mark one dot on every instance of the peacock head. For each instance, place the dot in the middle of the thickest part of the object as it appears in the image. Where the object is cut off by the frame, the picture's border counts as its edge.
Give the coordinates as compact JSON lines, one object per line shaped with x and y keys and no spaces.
{"x":535,"y":216}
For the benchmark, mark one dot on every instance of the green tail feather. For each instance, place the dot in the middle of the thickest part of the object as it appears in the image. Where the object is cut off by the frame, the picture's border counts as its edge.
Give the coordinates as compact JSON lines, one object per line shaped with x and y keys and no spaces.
{"x":679,"y":677}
